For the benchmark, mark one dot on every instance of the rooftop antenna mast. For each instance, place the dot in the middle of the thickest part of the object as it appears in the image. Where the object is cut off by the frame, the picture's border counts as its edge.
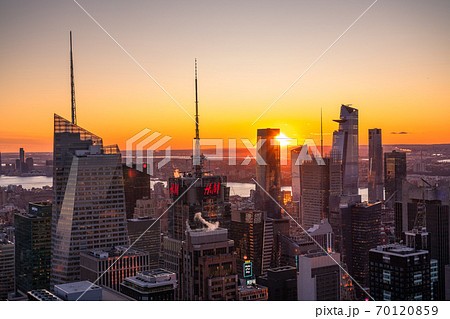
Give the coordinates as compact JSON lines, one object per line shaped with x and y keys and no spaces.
{"x":321,"y":133}
{"x":197,"y":157}
{"x":72,"y":84}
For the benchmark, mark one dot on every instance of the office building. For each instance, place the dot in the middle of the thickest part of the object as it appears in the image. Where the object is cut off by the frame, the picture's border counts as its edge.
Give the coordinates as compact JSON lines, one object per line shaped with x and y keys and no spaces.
{"x":110,"y":268}
{"x":366,"y":223}
{"x":281,"y":282}
{"x":22,"y":167}
{"x":400,"y":273}
{"x":248,"y":231}
{"x":29,"y":164}
{"x":33,"y":247}
{"x":319,"y":277}
{"x":375,"y":177}
{"x":209,"y":266}
{"x":314,"y":192}
{"x":346,"y":148}
{"x":426,"y":209}
{"x":136,"y":185}
{"x":153,"y":285}
{"x":394,"y":175}
{"x":268,"y":172}
{"x":89,"y":201}
{"x":6,"y":267}
{"x":145,"y":235}
{"x":208,"y":195}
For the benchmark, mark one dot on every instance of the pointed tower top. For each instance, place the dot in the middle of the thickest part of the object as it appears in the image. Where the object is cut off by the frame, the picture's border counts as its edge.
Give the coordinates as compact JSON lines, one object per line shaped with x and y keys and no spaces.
{"x":72,"y":84}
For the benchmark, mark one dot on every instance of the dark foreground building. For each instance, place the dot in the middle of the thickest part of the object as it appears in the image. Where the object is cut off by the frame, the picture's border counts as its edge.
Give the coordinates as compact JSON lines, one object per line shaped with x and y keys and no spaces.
{"x":282,"y":283}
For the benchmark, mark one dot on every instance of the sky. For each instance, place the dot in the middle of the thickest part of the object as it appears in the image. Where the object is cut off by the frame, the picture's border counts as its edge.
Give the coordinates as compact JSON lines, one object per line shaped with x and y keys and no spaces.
{"x":393,"y":65}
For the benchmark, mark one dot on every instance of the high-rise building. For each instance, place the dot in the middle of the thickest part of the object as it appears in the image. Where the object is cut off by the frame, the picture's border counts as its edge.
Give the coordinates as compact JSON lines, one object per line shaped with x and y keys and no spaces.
{"x":136,"y":185}
{"x":207,"y":194}
{"x":314,"y":192}
{"x":427,"y":208}
{"x":1,"y":167}
{"x":29,"y":164}
{"x":281,"y":282}
{"x":365,"y":229}
{"x":394,"y":175}
{"x":6,"y":267}
{"x":346,"y":148}
{"x":400,"y":273}
{"x":110,"y":268}
{"x":153,"y":285}
{"x":375,"y":178}
{"x":22,"y":166}
{"x":268,"y":172}
{"x":89,"y":201}
{"x":148,"y":231}
{"x":319,"y":277}
{"x":209,"y":269}
{"x":33,"y":247}
{"x":248,"y":231}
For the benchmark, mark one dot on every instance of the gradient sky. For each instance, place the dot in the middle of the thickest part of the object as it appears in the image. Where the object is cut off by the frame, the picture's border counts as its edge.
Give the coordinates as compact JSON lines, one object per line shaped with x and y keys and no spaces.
{"x":393,"y":65}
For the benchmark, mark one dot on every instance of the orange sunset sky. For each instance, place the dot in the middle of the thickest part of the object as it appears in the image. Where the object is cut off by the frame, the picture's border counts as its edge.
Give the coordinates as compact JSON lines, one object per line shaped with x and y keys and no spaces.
{"x":393,"y":65}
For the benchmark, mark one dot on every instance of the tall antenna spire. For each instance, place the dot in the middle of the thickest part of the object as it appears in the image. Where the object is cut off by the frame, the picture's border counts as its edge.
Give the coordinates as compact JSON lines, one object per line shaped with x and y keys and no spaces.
{"x":72,"y":84}
{"x":197,"y":158}
{"x":197,"y":132}
{"x":321,"y":133}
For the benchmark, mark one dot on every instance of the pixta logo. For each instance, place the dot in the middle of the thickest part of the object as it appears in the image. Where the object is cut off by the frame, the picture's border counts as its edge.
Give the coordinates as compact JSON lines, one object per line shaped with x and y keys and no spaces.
{"x":149,"y":142}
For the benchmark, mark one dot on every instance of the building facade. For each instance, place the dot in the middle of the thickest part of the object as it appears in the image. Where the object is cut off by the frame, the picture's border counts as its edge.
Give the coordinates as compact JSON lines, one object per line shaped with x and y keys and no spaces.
{"x":375,"y":177}
{"x":89,"y":201}
{"x":33,"y":247}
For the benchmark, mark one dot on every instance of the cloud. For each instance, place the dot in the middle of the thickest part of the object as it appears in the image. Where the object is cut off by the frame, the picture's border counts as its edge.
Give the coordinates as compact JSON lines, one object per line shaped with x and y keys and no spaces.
{"x":400,"y":133}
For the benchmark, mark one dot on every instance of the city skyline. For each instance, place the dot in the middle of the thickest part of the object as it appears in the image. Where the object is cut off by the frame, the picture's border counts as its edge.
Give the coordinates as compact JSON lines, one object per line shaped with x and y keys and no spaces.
{"x":247,"y":58}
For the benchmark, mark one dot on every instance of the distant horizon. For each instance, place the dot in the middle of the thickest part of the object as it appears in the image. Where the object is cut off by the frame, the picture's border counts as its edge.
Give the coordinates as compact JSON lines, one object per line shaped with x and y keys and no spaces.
{"x":243,"y":148}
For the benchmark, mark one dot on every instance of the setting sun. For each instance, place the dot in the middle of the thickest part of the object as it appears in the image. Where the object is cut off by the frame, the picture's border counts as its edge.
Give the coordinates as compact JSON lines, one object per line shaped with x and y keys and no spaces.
{"x":284,"y":140}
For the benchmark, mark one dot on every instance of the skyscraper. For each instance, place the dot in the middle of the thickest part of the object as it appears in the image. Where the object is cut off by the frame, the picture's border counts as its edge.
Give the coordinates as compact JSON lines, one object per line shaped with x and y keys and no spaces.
{"x":209,"y":266}
{"x":22,"y":167}
{"x":268,"y":172}
{"x":319,"y":277}
{"x":365,"y":229}
{"x":136,"y":185}
{"x":427,"y":208}
{"x":282,"y":283}
{"x":33,"y":247}
{"x":314,"y":192}
{"x":394,"y":174}
{"x":346,"y":148}
{"x":207,"y":193}
{"x":375,"y":178}
{"x":148,"y":231}
{"x":248,"y":231}
{"x":400,"y":273}
{"x":89,"y":201}
{"x":6,"y":267}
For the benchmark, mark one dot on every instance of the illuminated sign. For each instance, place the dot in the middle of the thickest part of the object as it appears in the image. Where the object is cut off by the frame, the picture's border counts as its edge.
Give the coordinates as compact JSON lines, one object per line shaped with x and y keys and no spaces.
{"x":251,"y":282}
{"x":248,"y":269}
{"x":174,"y":189}
{"x":212,"y":189}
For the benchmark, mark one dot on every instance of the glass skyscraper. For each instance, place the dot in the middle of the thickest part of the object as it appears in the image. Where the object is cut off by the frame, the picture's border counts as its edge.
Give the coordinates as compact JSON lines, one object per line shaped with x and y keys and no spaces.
{"x":346,"y":148}
{"x":89,"y":200}
{"x":268,"y":172}
{"x":375,"y":178}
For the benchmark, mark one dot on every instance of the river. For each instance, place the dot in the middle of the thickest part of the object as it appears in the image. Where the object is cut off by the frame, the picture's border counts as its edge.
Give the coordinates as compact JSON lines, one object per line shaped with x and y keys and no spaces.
{"x":241,"y":189}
